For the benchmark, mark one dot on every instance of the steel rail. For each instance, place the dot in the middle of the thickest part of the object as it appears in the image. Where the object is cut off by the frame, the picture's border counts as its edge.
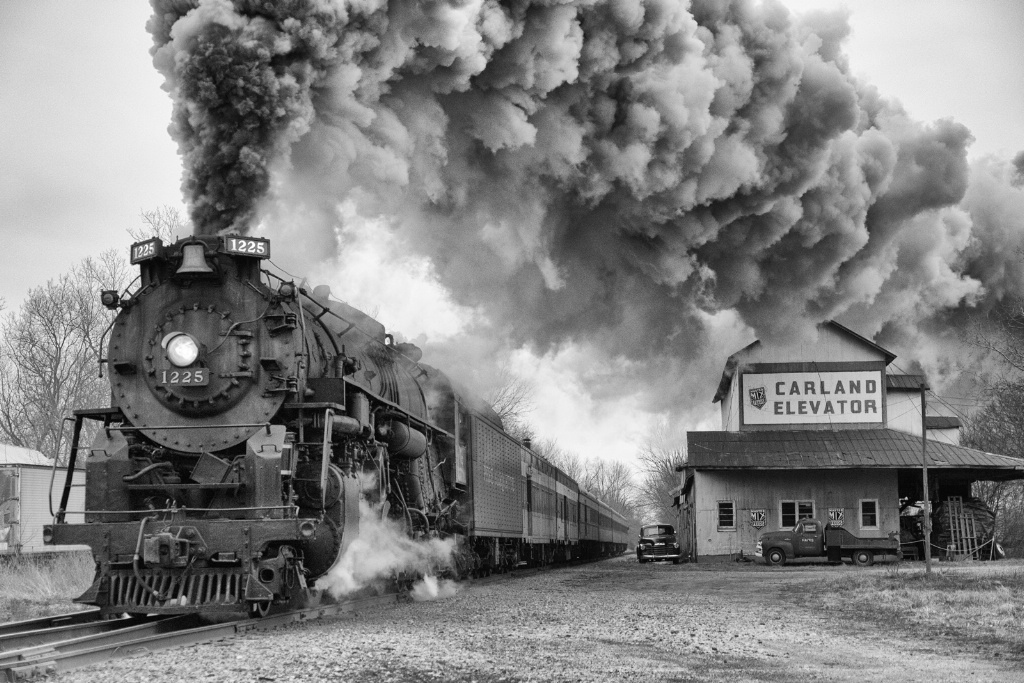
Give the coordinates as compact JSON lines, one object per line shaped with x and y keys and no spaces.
{"x":57,"y":632}
{"x":82,"y":616}
{"x":58,"y":657}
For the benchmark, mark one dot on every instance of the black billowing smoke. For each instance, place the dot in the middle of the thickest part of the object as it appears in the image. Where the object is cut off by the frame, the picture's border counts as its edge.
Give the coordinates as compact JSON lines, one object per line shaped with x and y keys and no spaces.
{"x":241,"y":77}
{"x":621,"y":172}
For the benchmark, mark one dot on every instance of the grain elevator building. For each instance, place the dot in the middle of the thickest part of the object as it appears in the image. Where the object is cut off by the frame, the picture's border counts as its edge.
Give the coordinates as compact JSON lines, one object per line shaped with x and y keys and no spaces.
{"x":828,"y":431}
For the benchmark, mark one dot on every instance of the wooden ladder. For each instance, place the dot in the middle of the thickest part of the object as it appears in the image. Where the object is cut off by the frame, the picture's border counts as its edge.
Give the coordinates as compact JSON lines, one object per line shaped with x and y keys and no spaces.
{"x":962,"y":534}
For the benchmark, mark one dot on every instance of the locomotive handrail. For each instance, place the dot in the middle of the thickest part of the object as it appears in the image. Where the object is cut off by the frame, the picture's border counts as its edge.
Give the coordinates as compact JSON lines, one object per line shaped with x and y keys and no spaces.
{"x":53,"y":468}
{"x":379,"y":399}
{"x":123,"y":428}
{"x":188,"y":509}
{"x":325,"y":457}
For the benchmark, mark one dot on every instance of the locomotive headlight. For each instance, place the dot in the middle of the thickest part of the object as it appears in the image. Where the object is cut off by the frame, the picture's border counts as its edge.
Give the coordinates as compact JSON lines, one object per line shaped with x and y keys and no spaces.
{"x":181,"y":348}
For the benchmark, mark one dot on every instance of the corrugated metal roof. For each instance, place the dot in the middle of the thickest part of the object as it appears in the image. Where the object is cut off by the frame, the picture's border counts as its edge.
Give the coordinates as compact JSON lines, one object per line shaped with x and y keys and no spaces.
{"x":904,"y":382}
{"x":942,"y":422}
{"x":16,"y":455}
{"x":841,"y":449}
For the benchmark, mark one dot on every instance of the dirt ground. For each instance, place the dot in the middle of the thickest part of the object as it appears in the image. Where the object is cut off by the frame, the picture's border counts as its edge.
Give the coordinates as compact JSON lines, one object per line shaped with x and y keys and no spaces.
{"x":610,"y":621}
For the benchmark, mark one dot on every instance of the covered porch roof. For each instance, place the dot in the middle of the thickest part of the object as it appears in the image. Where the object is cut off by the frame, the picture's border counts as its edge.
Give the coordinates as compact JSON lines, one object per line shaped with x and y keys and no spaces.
{"x":843,"y":449}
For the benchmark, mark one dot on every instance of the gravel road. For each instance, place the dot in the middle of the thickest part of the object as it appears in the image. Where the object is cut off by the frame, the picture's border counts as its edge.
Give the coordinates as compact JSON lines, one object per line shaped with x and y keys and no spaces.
{"x":610,"y":621}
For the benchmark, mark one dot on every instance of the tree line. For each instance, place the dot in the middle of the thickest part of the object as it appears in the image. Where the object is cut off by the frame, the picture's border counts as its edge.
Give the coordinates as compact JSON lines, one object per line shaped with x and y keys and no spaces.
{"x":997,"y":425}
{"x":51,"y":345}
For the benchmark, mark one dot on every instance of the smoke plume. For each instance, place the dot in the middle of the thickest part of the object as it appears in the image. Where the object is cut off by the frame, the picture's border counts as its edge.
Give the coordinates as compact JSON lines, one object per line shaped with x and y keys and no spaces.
{"x":383,"y":550}
{"x":641,"y":178}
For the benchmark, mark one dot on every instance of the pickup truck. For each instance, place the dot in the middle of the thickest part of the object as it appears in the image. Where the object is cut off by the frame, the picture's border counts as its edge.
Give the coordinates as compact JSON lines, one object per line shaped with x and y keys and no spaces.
{"x":811,"y":538}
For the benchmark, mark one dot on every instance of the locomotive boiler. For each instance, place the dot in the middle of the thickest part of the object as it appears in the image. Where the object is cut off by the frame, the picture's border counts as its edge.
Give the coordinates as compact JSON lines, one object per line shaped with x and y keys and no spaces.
{"x":254,"y":422}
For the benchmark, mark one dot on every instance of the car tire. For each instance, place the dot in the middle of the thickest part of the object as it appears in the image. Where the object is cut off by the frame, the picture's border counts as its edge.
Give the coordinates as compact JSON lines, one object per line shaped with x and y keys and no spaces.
{"x":863,"y":558}
{"x":775,"y":557}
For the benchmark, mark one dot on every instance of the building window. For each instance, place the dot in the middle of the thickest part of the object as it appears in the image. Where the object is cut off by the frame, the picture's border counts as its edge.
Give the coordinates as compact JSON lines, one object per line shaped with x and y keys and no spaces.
{"x":869,"y":514}
{"x":726,"y":515}
{"x":795,"y":510}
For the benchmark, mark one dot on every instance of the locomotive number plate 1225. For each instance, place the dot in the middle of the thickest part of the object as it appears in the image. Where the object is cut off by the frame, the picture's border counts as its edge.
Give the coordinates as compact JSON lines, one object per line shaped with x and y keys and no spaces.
{"x":247,"y":246}
{"x":198,"y":377}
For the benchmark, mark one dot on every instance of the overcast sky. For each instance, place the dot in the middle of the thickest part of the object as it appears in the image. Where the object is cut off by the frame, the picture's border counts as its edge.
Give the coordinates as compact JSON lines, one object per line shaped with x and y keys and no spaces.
{"x":84,"y":146}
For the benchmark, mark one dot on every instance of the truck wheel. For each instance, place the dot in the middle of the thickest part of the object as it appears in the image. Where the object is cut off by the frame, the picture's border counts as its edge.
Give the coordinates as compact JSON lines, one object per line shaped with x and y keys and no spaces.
{"x":776,"y":557}
{"x":863,"y":558}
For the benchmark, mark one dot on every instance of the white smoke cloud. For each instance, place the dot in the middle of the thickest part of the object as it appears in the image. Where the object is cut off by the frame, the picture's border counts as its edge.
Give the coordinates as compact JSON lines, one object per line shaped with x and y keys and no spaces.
{"x":381,"y":551}
{"x":432,"y":588}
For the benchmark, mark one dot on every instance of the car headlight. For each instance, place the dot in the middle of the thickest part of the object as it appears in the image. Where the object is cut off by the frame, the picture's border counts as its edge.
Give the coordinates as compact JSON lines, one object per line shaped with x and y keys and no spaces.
{"x":182,"y":350}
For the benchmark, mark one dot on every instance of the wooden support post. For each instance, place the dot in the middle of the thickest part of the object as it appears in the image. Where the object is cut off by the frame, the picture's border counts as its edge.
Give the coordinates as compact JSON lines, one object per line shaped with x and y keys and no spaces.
{"x":926,"y":523}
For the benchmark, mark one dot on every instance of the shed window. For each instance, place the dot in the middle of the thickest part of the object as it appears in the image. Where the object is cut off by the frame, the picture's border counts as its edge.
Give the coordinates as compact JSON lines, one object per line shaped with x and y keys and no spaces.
{"x":869,"y":514}
{"x":795,"y":510}
{"x":726,"y":515}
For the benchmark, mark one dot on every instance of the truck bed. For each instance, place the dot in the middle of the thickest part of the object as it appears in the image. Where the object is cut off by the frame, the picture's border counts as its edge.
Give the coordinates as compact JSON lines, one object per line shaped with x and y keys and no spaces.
{"x":844,"y":539}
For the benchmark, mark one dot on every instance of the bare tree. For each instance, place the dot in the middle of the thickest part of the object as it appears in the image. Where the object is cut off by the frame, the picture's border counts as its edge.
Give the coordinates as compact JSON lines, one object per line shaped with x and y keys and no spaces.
{"x":49,"y":354}
{"x":998,"y":426}
{"x":512,"y":397}
{"x":660,"y":477}
{"x":166,"y":222}
{"x":568,"y":461}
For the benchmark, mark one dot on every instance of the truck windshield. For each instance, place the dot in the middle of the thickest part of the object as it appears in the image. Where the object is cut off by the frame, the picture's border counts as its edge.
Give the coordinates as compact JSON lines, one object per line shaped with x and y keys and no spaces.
{"x":657,"y":530}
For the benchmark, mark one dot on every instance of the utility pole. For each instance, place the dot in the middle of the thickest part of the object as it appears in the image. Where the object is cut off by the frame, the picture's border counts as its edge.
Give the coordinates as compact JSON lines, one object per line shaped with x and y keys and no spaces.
{"x":926,"y":524}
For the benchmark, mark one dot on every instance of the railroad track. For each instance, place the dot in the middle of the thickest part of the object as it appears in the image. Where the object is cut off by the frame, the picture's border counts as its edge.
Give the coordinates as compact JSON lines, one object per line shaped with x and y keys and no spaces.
{"x":45,"y":647}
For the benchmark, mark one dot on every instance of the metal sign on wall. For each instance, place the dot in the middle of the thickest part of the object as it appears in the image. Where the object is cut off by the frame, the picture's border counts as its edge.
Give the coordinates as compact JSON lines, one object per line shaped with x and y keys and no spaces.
{"x":758,"y":518}
{"x":780,"y":398}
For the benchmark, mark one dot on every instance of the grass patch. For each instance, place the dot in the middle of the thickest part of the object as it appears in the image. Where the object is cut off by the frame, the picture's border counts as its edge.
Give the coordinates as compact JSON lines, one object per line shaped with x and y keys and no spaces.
{"x":32,"y":588}
{"x":982,"y":602}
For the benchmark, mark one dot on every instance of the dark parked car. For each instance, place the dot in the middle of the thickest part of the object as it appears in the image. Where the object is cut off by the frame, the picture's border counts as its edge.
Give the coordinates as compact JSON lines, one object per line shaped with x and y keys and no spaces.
{"x":658,"y":542}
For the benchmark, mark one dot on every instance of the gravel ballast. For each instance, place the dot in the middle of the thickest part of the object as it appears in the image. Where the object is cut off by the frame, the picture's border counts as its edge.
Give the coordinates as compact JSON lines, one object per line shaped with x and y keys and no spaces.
{"x":615,"y":620}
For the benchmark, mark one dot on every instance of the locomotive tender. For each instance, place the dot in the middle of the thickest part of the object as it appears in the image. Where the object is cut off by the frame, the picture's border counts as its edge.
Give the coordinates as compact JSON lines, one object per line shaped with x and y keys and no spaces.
{"x":249,"y":418}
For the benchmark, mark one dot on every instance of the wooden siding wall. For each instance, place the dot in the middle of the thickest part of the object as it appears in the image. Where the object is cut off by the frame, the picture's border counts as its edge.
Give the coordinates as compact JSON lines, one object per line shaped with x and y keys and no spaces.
{"x":753,"y":490}
{"x":33,"y":484}
{"x":904,"y":411}
{"x":905,"y":416}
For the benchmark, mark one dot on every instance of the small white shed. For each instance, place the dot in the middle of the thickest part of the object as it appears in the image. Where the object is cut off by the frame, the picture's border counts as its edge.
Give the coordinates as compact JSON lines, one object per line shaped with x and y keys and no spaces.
{"x":25,"y":499}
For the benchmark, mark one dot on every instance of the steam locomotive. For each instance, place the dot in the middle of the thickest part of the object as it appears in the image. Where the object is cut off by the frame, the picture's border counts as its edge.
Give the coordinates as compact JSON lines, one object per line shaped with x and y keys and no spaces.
{"x":254,"y":424}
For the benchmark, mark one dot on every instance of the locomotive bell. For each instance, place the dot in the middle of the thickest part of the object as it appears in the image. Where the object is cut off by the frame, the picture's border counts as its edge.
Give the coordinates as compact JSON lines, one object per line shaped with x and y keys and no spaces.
{"x":193,"y":260}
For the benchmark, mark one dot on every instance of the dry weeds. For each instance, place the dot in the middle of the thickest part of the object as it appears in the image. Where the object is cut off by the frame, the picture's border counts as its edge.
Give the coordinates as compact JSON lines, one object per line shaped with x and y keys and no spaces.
{"x":979,"y":602}
{"x":35,"y":587}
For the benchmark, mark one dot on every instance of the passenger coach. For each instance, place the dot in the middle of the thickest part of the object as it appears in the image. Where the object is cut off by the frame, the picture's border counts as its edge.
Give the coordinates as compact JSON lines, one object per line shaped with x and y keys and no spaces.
{"x":556,"y":520}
